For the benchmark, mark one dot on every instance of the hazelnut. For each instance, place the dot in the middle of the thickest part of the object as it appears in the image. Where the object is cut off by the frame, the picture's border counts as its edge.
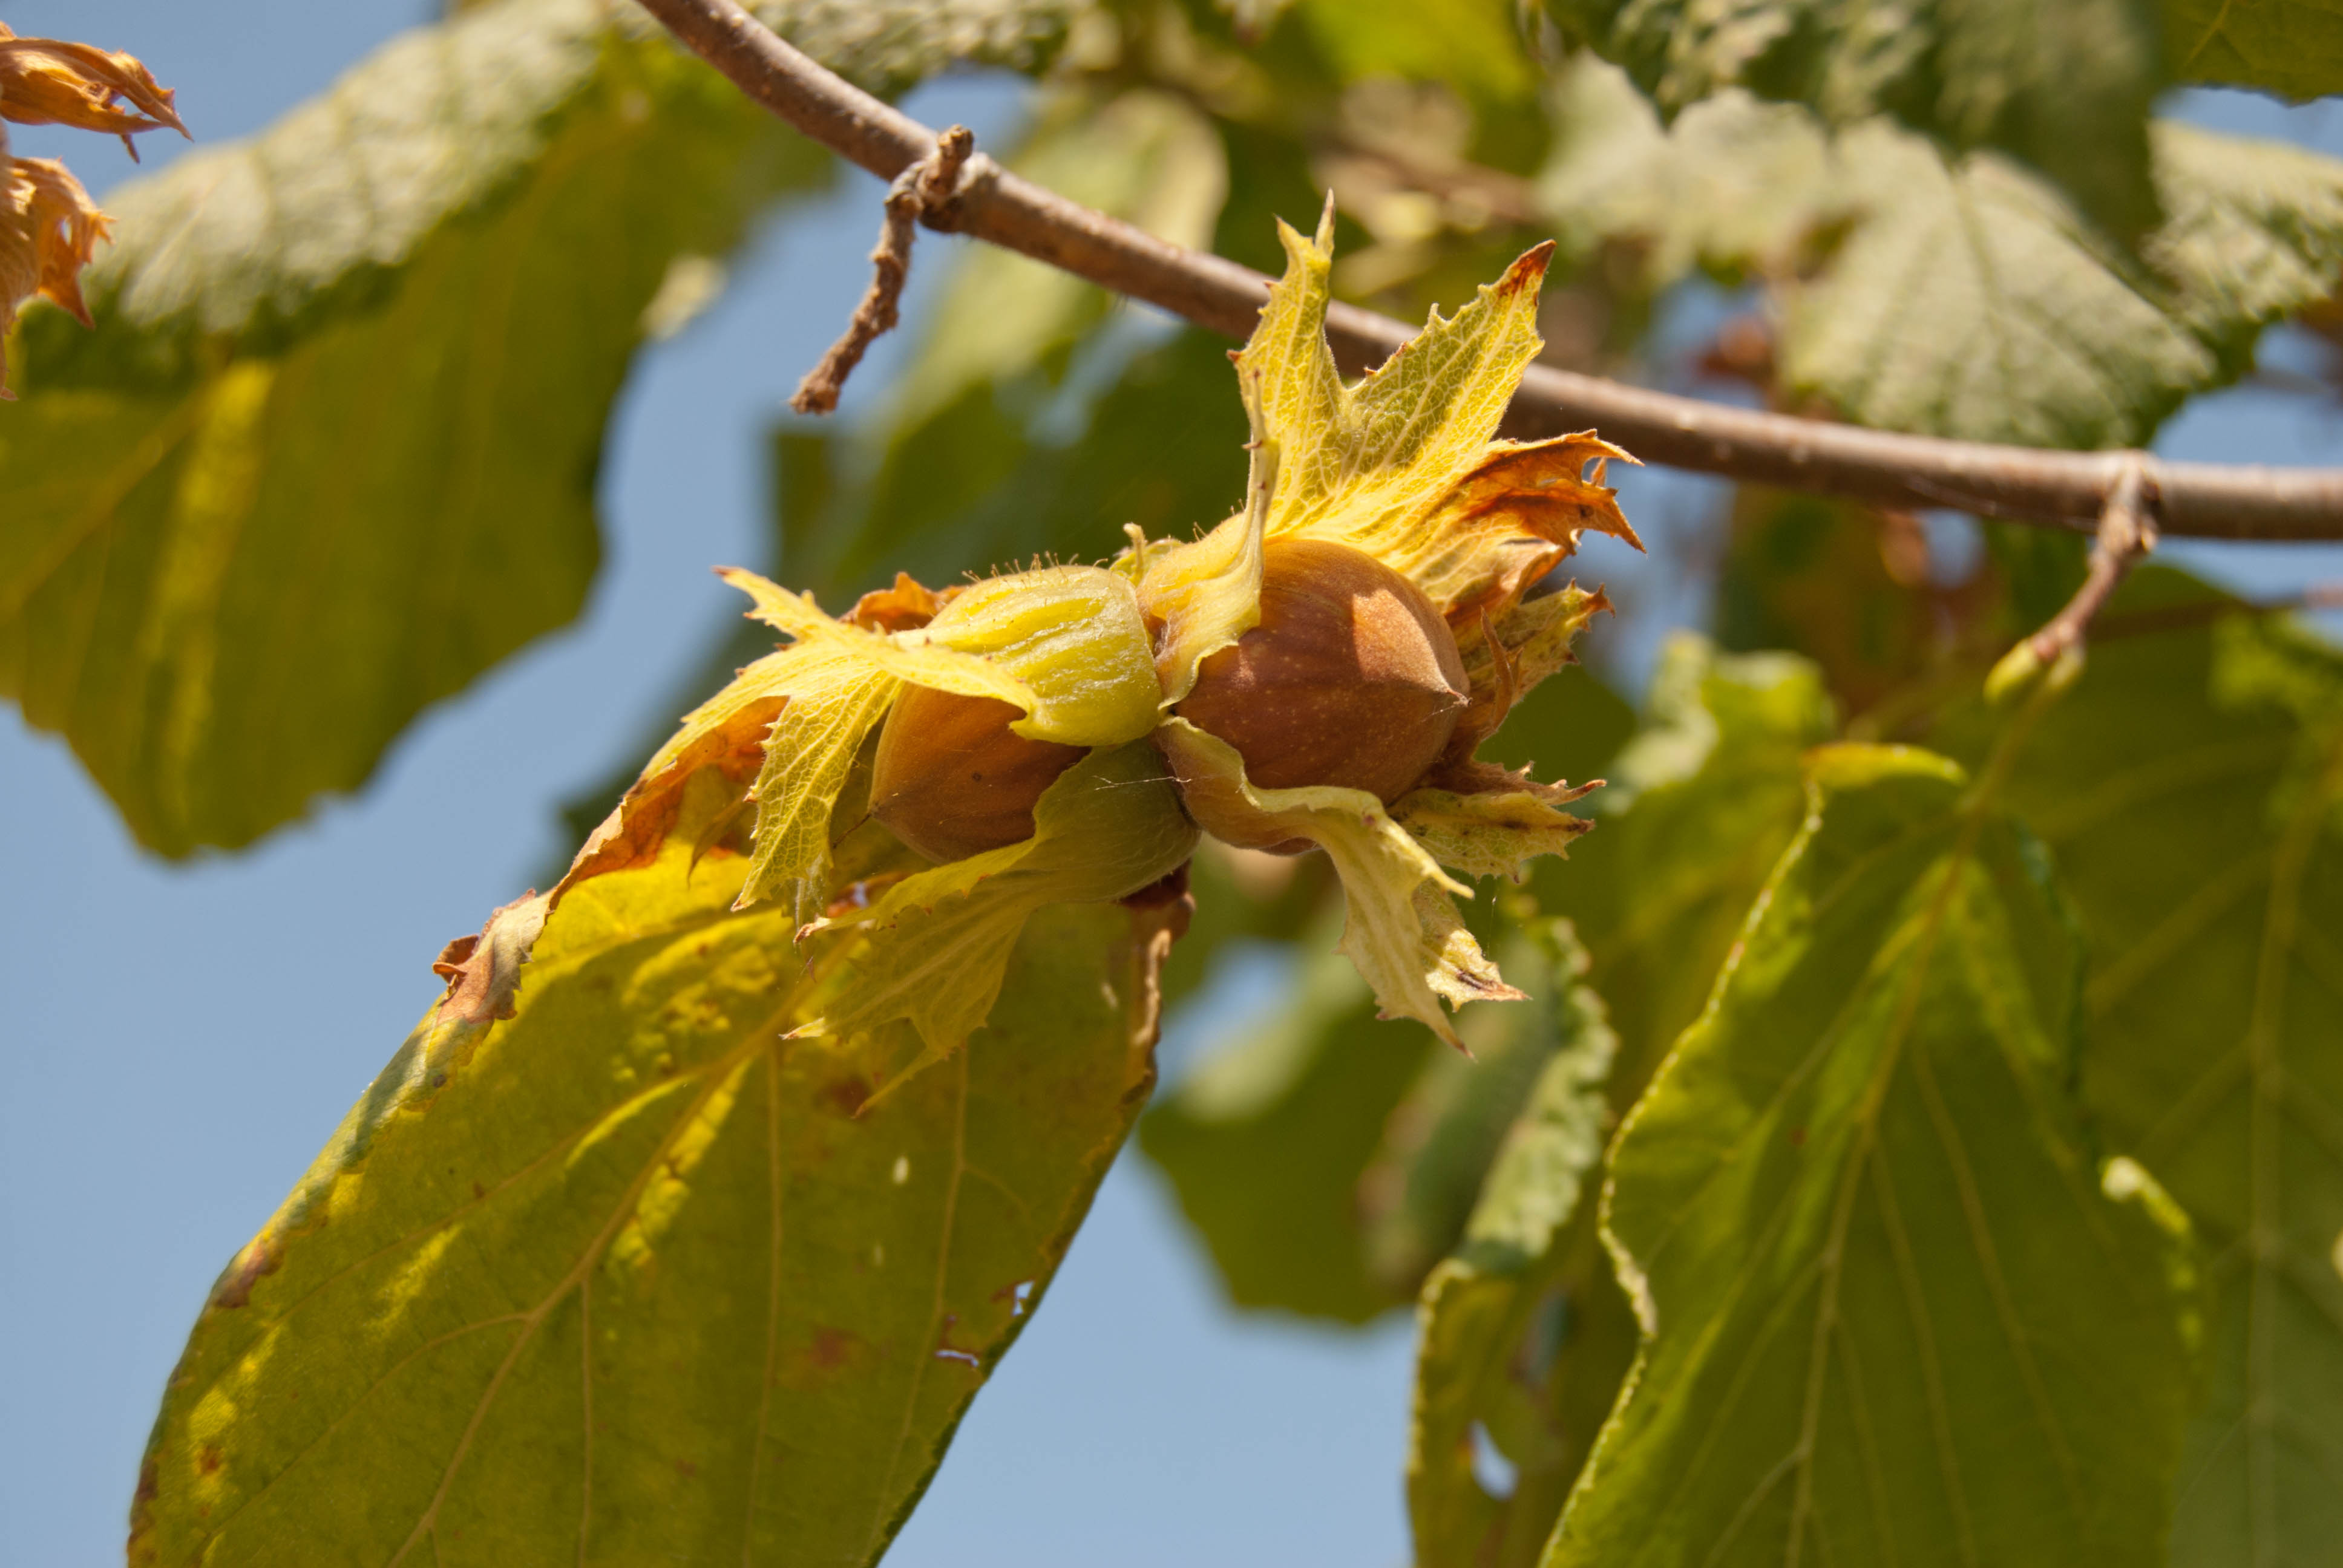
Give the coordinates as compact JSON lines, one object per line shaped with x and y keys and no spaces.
{"x":1351,"y":678}
{"x":951,"y":779}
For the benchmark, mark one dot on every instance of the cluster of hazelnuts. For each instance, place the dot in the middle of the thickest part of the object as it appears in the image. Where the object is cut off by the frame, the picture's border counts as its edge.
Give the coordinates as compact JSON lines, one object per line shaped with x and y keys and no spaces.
{"x":1350,"y":679}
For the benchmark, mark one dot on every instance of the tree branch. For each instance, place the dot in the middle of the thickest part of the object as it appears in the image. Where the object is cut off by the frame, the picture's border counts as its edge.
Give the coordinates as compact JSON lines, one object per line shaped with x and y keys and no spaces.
{"x":2067,"y":489}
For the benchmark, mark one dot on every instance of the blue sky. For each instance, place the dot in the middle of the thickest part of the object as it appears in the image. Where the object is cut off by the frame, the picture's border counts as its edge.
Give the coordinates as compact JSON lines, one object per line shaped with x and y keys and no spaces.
{"x":180,"y":1039}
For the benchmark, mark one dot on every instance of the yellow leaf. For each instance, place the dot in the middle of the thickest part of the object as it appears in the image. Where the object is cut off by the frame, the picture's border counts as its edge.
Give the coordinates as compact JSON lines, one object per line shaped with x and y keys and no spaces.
{"x":1400,"y":931}
{"x":725,"y":734}
{"x":939,"y":940}
{"x":1493,"y":833}
{"x":1507,"y":654}
{"x":1402,"y":465}
{"x":810,"y":749}
{"x":1207,"y":594}
{"x":1065,"y":644}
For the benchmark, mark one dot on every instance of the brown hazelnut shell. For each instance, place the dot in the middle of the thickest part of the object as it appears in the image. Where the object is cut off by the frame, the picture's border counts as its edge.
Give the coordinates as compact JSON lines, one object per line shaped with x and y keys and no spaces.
{"x":951,"y":779}
{"x":1351,"y":678}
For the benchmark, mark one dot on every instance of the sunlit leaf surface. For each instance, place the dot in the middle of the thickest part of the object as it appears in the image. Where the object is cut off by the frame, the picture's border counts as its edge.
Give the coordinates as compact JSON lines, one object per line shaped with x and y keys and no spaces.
{"x":1890,"y":1314}
{"x":624,"y":1278}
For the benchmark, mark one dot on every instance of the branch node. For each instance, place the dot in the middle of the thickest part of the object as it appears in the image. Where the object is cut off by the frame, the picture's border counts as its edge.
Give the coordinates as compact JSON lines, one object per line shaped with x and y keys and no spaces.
{"x":2126,"y":533}
{"x":924,"y":188}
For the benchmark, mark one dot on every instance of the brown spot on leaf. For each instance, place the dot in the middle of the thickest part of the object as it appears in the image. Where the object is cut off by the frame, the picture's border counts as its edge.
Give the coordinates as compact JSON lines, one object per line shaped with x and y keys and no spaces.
{"x":631,"y":835}
{"x":949,"y":1352}
{"x":1153,"y":929}
{"x":483,"y":972}
{"x":844,"y":1097}
{"x":861,"y":894}
{"x":1169,"y":896}
{"x":208,"y":1458}
{"x":1527,"y":272}
{"x":261,"y":1256}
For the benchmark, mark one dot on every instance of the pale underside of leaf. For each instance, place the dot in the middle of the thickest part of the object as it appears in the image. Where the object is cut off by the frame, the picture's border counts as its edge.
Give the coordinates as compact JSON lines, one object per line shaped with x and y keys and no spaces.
{"x":1970,"y":302}
{"x":1962,"y":299}
{"x":2065,"y":85}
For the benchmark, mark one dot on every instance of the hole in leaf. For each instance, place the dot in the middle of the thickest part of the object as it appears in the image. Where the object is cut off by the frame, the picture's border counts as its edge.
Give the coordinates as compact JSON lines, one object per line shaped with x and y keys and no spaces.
{"x":1492,"y":1471}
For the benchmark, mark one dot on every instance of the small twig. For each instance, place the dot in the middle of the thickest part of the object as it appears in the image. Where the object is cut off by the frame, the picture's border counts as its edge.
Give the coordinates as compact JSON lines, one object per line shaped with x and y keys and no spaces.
{"x":2062,"y":490}
{"x":2126,"y":533}
{"x":920,"y":187}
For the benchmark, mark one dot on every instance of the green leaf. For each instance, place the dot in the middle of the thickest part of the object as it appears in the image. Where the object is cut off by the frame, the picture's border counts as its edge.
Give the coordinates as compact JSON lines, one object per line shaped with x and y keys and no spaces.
{"x":2215,"y":1014}
{"x":1889,"y":1312}
{"x":1963,"y":299}
{"x":1701,"y":804}
{"x":1440,"y":1142}
{"x":1844,"y":586}
{"x":623,"y":1275}
{"x":1295,"y":1149}
{"x":1266,"y":1141}
{"x":1487,"y":1335}
{"x":2290,"y":47}
{"x":1474,"y":47}
{"x":941,"y":939}
{"x":1700,"y":807}
{"x":331,"y":451}
{"x":2064,"y":86}
{"x":1329,"y":1159}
